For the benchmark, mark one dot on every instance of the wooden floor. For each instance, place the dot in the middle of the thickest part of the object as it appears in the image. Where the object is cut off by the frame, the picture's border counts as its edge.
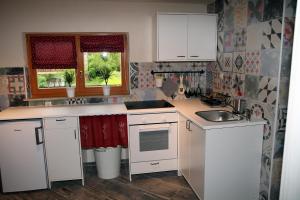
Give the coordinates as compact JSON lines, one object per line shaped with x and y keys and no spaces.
{"x":155,"y":186}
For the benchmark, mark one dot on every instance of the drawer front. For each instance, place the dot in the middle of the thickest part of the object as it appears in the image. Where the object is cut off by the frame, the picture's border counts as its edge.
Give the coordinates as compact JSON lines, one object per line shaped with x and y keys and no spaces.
{"x":154,"y":166}
{"x":152,"y":118}
{"x":60,"y":122}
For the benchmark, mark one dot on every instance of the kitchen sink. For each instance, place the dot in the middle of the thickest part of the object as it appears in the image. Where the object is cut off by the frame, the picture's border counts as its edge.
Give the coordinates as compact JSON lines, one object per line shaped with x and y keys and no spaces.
{"x":219,"y":116}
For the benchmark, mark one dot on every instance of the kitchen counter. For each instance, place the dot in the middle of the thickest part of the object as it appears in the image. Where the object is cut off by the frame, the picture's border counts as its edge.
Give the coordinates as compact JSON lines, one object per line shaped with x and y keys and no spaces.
{"x":188,"y":108}
{"x":15,"y":113}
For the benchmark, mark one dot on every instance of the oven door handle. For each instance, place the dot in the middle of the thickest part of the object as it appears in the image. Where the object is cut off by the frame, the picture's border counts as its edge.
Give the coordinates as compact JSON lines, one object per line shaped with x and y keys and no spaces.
{"x":154,"y":127}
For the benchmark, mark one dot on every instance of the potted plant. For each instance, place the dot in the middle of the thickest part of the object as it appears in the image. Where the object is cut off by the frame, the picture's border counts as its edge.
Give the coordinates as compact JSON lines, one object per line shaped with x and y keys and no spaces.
{"x":69,"y":77}
{"x":105,"y":73}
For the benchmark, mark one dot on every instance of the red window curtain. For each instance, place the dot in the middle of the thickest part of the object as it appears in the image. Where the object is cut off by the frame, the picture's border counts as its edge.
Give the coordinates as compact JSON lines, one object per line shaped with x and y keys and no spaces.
{"x":53,"y":52}
{"x":103,"y":131}
{"x":102,"y":43}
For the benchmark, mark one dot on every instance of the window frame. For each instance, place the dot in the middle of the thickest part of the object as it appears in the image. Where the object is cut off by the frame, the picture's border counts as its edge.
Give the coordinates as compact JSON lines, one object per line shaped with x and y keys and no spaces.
{"x":80,"y":89}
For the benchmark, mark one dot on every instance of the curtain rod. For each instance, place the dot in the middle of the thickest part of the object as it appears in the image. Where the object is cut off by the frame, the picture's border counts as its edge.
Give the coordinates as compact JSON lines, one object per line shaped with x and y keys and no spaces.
{"x":176,"y":72}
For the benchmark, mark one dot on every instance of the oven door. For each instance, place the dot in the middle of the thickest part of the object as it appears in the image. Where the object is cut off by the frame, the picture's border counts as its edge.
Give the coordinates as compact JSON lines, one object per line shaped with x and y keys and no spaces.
{"x":153,"y":142}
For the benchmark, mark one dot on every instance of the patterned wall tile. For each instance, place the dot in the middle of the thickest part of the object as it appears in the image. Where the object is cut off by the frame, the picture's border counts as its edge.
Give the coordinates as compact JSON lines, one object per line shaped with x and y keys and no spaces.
{"x":220,"y":61}
{"x":221,"y":21}
{"x":254,"y":37}
{"x":239,"y":62}
{"x":271,"y":34}
{"x":134,"y":70}
{"x":240,"y":18}
{"x":270,"y":62}
{"x":228,"y":62}
{"x":288,"y":36}
{"x":17,"y":100}
{"x":253,"y":62}
{"x":227,"y":83}
{"x":16,"y":84}
{"x":240,"y":39}
{"x":76,"y":101}
{"x":290,"y":8}
{"x":220,"y":41}
{"x":228,"y":42}
{"x":273,"y":9}
{"x":238,"y":85}
{"x":217,"y":82}
{"x":14,"y":71}
{"x":228,"y":15}
{"x":251,"y":86}
{"x":267,"y":90}
{"x":255,"y":11}
{"x":3,"y":85}
{"x":146,"y":79}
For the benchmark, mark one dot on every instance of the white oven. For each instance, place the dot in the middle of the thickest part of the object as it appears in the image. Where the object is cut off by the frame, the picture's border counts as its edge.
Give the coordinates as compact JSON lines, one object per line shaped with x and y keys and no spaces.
{"x":153,"y":141}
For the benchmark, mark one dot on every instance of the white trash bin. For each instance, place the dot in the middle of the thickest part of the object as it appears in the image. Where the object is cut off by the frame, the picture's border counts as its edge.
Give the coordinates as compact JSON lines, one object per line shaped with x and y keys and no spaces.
{"x":108,"y":162}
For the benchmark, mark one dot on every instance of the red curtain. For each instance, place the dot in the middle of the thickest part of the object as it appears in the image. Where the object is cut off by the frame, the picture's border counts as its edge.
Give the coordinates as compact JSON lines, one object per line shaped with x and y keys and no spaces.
{"x":53,"y":52}
{"x":103,"y":131}
{"x":102,"y":43}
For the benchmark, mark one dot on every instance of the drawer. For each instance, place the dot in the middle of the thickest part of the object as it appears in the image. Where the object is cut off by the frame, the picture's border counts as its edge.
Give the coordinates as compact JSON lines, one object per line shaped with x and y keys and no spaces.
{"x":152,"y":118}
{"x":154,"y":166}
{"x":61,"y":122}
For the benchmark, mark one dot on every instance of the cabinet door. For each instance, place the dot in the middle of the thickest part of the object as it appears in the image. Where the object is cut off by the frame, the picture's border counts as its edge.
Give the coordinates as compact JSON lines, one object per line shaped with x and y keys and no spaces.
{"x":172,"y":37}
{"x":184,"y":147}
{"x":63,"y":154}
{"x":197,"y":162}
{"x":202,"y":37}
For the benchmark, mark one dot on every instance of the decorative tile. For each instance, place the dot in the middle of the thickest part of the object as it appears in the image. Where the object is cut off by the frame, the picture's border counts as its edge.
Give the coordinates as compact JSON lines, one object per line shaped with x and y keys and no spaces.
{"x":267,"y":90}
{"x":239,"y":62}
{"x":220,"y":61}
{"x":17,"y":100}
{"x":254,"y":37}
{"x":14,"y":71}
{"x":227,"y":83}
{"x":251,"y":86}
{"x":240,"y":39}
{"x":290,"y":8}
{"x":288,"y":35}
{"x":273,"y":9}
{"x":255,"y":11}
{"x":209,"y":79}
{"x":253,"y":62}
{"x":76,"y":101}
{"x":217,"y":82}
{"x":16,"y":84}
{"x":3,"y":85}
{"x":238,"y":84}
{"x":228,"y":59}
{"x":228,"y":15}
{"x":146,"y":79}
{"x":282,"y":117}
{"x":221,"y":21}
{"x":270,"y":62}
{"x":220,"y":42}
{"x":134,"y":75}
{"x":228,"y":41}
{"x":271,"y":34}
{"x":240,"y":17}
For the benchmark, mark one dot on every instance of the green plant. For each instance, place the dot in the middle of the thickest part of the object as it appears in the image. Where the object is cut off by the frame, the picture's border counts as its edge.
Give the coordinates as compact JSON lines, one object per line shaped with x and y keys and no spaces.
{"x":69,"y":77}
{"x":102,"y":72}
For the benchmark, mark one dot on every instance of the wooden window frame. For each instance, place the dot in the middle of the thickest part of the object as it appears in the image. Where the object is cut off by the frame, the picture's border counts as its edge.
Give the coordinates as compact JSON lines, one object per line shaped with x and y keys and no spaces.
{"x":80,"y":89}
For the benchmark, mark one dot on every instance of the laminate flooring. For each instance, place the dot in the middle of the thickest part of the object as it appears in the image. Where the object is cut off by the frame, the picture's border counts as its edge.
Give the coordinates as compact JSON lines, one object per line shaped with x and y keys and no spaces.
{"x":154,"y":186}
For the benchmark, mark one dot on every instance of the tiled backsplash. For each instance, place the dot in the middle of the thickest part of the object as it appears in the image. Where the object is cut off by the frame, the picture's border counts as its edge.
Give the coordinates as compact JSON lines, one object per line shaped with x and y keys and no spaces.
{"x":13,"y":85}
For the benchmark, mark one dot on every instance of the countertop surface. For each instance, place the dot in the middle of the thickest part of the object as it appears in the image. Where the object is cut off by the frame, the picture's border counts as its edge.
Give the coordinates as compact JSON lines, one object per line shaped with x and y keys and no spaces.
{"x":185,"y":107}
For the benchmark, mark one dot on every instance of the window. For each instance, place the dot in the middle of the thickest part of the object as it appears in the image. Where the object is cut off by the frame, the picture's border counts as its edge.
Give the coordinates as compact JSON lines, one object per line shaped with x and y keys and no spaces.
{"x":50,"y":55}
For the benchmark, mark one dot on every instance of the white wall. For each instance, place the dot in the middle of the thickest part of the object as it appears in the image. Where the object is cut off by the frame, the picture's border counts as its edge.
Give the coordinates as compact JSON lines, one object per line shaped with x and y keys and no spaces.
{"x":18,"y":17}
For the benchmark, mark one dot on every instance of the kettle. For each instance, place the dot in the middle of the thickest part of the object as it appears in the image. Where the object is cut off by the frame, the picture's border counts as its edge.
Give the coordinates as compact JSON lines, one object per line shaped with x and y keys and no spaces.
{"x":239,"y":106}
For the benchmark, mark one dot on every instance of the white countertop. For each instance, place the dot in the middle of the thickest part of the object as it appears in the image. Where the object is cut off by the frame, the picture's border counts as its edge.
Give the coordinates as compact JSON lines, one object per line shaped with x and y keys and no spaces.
{"x":15,"y":113}
{"x":186,"y":107}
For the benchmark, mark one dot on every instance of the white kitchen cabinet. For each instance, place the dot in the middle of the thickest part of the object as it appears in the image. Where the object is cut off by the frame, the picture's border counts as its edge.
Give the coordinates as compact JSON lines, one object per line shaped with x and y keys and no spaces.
{"x":186,"y":37}
{"x":63,"y":150}
{"x":221,"y":164}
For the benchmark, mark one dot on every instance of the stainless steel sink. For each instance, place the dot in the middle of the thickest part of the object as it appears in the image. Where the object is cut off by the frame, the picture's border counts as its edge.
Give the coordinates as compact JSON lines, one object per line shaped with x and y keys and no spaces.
{"x":219,"y":116}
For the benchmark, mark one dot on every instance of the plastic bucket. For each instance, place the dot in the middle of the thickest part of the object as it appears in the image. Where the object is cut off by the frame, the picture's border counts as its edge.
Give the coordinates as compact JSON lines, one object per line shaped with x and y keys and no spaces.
{"x":108,"y":162}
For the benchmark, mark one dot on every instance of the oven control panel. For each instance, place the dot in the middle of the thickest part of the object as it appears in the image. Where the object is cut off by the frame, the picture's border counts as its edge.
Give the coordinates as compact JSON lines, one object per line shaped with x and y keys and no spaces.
{"x":151,"y":118}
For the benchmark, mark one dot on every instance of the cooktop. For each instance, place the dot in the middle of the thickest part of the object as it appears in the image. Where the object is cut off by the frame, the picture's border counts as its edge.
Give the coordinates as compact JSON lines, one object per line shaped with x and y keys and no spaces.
{"x":133,"y":105}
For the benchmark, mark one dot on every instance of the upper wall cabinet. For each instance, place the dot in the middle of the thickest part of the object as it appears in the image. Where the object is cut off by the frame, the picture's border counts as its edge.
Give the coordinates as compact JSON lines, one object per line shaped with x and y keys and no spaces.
{"x":186,"y":37}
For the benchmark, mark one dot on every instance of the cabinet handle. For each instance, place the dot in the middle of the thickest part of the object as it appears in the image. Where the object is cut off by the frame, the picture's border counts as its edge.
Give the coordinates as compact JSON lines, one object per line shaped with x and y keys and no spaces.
{"x":156,"y":163}
{"x":194,"y":56}
{"x":37,"y":136}
{"x":60,"y":120}
{"x":180,"y":56}
{"x":188,"y":125}
{"x":17,"y":130}
{"x":75,"y":134}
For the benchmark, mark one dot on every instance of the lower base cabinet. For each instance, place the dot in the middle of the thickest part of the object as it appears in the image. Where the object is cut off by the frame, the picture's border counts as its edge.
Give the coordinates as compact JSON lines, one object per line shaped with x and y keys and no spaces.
{"x":221,"y":164}
{"x":63,"y":150}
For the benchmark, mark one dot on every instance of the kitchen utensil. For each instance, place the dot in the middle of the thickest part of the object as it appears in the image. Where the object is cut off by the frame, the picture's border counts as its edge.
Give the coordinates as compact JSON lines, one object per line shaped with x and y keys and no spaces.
{"x":169,"y":87}
{"x":180,"y":87}
{"x":239,"y":106}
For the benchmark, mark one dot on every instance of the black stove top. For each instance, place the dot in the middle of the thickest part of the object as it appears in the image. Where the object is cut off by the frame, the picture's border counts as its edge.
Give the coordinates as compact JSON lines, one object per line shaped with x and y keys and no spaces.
{"x":133,"y":105}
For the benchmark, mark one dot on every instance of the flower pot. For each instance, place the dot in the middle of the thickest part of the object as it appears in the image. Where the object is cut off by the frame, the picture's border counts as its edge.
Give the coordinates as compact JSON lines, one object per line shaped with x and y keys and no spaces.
{"x":106,"y":90}
{"x":70,"y":91}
